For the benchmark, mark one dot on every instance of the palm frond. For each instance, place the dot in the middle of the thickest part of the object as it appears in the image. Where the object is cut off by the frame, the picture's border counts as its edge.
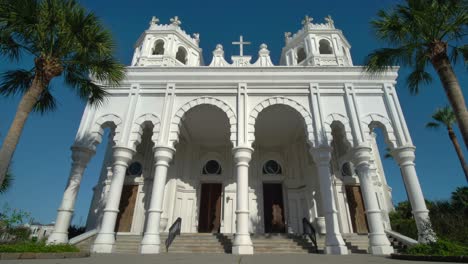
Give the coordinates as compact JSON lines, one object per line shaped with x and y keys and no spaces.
{"x":16,"y":81}
{"x":85,"y":87}
{"x":445,"y":116}
{"x":457,"y":51}
{"x":432,"y":125}
{"x":7,"y":182}
{"x":383,"y":59}
{"x":8,"y":46}
{"x":418,"y":75}
{"x":46,"y":103}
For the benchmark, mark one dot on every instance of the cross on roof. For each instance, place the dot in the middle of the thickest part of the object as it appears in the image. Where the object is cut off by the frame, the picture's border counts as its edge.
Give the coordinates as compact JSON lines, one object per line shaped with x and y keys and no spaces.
{"x":307,"y":20}
{"x":154,"y":21}
{"x":241,"y":44}
{"x":175,"y":21}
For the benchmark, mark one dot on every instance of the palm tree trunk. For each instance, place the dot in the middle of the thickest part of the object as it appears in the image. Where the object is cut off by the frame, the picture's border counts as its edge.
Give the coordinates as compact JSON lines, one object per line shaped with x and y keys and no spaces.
{"x":25,"y":106}
{"x":454,"y":93}
{"x":454,"y":139}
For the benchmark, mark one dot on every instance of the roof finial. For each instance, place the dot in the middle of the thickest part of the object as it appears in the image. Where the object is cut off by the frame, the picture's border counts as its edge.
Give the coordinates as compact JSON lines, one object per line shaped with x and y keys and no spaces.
{"x":287,"y":36}
{"x":175,"y":21}
{"x":154,"y":21}
{"x":307,"y":20}
{"x":330,"y":21}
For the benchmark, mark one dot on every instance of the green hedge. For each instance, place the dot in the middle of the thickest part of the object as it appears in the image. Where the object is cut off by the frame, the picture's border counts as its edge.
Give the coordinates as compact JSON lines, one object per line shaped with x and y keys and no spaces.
{"x":37,"y":247}
{"x":439,"y":248}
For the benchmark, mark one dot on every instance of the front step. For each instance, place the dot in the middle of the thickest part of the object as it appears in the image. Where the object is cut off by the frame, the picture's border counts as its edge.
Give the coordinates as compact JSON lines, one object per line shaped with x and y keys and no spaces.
{"x":356,"y":243}
{"x":263,"y":243}
{"x":184,"y":243}
{"x":281,"y":244}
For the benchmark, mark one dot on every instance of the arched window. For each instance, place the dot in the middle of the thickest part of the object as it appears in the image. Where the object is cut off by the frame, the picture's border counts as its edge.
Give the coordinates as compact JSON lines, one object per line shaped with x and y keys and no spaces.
{"x":325,"y":47}
{"x":272,"y":167}
{"x":212,"y":167}
{"x":301,"y":55}
{"x":181,"y":55}
{"x":158,"y":47}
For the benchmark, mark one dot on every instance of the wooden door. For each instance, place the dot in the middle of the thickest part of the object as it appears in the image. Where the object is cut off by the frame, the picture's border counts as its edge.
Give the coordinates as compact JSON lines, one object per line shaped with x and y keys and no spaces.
{"x":273,"y":208}
{"x":126,"y":208}
{"x":210,"y":208}
{"x":357,"y":209}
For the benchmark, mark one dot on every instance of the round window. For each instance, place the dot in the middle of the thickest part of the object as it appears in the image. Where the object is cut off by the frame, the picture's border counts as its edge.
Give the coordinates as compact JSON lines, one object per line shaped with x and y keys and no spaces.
{"x":347,"y":169}
{"x":135,"y":169}
{"x":271,"y":167}
{"x":212,"y":167}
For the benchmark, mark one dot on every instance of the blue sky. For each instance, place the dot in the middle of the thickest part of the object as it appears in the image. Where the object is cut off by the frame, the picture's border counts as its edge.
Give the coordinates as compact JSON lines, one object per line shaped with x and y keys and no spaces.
{"x":42,"y":159}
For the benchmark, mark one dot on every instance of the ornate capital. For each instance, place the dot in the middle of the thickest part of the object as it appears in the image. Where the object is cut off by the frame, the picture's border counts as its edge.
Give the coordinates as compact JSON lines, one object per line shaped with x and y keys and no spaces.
{"x":163,"y":154}
{"x":123,"y":155}
{"x":321,"y":155}
{"x":404,"y":155}
{"x":242,"y":155}
{"x":362,"y":155}
{"x":81,"y":154}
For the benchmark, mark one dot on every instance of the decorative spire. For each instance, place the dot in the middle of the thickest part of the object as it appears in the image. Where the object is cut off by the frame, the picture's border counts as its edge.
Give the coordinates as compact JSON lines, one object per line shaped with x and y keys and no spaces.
{"x":196,"y":36}
{"x":154,"y":21}
{"x":307,"y":21}
{"x":218,"y":57}
{"x":264,"y":59}
{"x":175,"y":21}
{"x":330,"y":21}
{"x":287,"y":36}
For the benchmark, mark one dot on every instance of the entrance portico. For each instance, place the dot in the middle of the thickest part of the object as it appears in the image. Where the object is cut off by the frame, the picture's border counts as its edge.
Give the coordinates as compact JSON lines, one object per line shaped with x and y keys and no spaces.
{"x":245,"y":148}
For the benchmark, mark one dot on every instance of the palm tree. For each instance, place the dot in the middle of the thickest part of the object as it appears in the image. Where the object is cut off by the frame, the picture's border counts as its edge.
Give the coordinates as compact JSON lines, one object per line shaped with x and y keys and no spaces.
{"x":445,"y":117}
{"x":421,"y":32}
{"x":64,"y":40}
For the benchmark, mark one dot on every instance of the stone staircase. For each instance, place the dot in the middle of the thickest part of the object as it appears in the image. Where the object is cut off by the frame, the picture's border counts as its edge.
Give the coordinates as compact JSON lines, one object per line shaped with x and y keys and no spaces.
{"x":281,"y":244}
{"x":128,"y":244}
{"x":221,"y":244}
{"x":397,"y":245}
{"x":356,"y":243}
{"x":185,"y":243}
{"x":201,"y":243}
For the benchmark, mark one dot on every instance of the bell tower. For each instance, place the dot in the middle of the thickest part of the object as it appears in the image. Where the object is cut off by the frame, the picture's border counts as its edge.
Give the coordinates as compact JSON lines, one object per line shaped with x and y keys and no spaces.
{"x":316,"y":45}
{"x":167,"y":46}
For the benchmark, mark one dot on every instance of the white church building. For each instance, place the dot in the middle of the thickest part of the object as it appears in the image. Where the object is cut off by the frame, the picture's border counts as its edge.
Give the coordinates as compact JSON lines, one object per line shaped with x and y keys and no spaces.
{"x":243,"y":147}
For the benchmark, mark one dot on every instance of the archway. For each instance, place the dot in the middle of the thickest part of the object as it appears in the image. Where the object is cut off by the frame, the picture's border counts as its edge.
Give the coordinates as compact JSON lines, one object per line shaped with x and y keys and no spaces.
{"x":280,"y":170}
{"x":202,"y":167}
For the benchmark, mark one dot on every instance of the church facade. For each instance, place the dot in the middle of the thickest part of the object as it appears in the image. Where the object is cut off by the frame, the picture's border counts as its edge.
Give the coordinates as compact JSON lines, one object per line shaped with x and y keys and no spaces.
{"x":243,"y":147}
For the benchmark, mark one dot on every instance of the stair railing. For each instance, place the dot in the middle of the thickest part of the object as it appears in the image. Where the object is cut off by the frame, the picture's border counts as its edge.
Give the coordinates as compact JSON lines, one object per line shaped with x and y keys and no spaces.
{"x":174,"y":230}
{"x":309,"y":231}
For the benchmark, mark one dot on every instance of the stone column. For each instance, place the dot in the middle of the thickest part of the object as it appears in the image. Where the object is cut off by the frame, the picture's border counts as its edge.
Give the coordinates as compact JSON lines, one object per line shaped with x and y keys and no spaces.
{"x":405,"y":158}
{"x":242,"y":244}
{"x":105,"y":238}
{"x":378,"y":241}
{"x":80,"y":157}
{"x":333,"y":240}
{"x":151,"y":241}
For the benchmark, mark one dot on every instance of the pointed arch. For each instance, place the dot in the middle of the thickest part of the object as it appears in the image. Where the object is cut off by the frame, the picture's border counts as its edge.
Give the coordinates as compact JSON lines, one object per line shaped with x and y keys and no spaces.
{"x":139,"y":125}
{"x":374,"y":120}
{"x":280,"y":100}
{"x":207,"y":100}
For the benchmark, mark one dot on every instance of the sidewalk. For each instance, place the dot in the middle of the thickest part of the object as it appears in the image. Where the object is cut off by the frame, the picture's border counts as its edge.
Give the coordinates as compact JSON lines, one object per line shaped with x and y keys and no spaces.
{"x":220,"y":258}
